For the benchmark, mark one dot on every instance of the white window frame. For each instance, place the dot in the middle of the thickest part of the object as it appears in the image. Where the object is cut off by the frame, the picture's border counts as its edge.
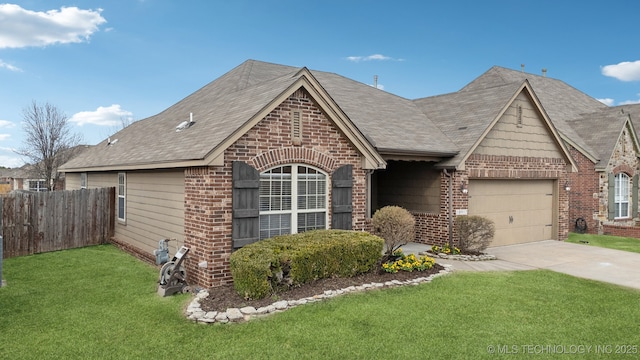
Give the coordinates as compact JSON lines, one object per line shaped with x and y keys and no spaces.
{"x":622,"y":192}
{"x":41,"y":185}
{"x":294,"y":211}
{"x":83,"y":180}
{"x":121,"y":210}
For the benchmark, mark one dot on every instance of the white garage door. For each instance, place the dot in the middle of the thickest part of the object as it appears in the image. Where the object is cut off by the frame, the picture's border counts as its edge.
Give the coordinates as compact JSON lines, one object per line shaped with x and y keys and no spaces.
{"x":521,"y":209}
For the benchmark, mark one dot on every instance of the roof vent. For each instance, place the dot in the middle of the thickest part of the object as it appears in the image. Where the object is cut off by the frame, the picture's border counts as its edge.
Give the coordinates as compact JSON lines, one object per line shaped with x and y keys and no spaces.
{"x":111,"y":142}
{"x":185,"y":124}
{"x":544,"y":72}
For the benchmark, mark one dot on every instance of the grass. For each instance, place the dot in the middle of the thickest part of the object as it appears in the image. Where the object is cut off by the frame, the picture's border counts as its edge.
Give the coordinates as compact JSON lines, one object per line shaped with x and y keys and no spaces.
{"x":97,"y":302}
{"x":607,"y":241}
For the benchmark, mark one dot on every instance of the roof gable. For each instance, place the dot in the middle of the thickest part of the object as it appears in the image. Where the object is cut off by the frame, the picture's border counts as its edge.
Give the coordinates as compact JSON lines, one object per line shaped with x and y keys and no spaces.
{"x":611,"y":124}
{"x":468,"y":116}
{"x":222,"y":110}
{"x":561,"y":101}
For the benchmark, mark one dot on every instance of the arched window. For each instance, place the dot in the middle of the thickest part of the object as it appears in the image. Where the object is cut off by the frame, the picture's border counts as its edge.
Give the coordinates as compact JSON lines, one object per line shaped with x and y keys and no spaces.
{"x":622,"y":195}
{"x":293,"y":199}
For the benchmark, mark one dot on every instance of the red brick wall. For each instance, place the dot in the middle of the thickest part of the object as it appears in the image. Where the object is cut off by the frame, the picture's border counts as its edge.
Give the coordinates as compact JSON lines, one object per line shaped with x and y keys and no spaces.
{"x":434,"y":228}
{"x":621,"y":230}
{"x":584,"y":184}
{"x":208,"y":208}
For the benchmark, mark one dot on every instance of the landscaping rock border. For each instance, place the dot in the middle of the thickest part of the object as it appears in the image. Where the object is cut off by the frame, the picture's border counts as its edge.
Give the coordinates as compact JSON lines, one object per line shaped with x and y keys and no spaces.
{"x":195,"y":313}
{"x":461,"y":257}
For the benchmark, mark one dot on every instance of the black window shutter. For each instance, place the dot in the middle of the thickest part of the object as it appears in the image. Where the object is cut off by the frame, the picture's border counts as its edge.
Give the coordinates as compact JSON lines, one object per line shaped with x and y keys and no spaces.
{"x":341,"y":198}
{"x":612,"y":197}
{"x":246,"y":205}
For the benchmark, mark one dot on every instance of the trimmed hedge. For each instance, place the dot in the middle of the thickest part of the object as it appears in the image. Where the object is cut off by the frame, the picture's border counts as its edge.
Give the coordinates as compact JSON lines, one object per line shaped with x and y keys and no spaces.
{"x":290,"y":260}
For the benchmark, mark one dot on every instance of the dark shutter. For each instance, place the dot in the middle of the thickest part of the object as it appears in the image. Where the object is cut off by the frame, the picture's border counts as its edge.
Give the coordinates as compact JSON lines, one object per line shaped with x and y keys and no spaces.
{"x":246,"y":205}
{"x":634,"y":196}
{"x":341,"y":197}
{"x":612,"y":197}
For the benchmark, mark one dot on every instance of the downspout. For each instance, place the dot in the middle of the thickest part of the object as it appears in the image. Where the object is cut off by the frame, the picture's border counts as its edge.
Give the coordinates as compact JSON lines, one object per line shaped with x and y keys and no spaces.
{"x":450,"y":206}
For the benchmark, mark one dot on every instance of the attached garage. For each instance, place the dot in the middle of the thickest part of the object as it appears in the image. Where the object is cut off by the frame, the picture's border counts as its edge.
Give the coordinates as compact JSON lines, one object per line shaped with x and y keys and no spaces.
{"x":522,"y":210}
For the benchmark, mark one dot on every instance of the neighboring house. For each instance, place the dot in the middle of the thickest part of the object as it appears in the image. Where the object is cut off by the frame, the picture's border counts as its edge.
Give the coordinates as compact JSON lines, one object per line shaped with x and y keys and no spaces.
{"x":268,"y":149}
{"x":23,"y":178}
{"x":27,"y":178}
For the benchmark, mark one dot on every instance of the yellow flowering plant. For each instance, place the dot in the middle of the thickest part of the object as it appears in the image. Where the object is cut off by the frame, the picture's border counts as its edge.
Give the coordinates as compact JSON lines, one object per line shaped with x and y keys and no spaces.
{"x":445,"y":249}
{"x":409,"y":263}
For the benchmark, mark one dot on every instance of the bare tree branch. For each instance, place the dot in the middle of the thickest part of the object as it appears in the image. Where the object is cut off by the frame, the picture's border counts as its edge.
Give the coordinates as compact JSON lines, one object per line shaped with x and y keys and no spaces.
{"x":49,"y":140}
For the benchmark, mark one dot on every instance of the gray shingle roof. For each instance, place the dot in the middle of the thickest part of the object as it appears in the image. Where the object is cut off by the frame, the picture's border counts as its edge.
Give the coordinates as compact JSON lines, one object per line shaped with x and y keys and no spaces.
{"x":602,"y":129}
{"x":221,"y":107}
{"x":465,"y":116}
{"x":561,"y":101}
{"x":391,"y":123}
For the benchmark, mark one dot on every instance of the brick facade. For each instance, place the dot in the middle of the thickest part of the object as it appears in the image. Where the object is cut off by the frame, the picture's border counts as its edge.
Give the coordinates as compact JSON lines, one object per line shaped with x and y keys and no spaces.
{"x":434,"y":228}
{"x":585,"y":192}
{"x":589,"y":190}
{"x":208,"y":190}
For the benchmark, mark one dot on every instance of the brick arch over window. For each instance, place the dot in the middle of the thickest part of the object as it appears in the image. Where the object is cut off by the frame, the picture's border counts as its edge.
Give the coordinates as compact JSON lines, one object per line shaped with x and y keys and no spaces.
{"x":624,"y":168}
{"x":292,"y":155}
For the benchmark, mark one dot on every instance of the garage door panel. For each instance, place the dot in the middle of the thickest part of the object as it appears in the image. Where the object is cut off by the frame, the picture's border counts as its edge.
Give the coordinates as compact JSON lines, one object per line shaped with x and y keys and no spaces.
{"x":522,"y":210}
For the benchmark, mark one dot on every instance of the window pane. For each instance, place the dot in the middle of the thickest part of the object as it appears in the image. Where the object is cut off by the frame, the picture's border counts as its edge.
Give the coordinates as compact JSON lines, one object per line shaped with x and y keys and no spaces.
{"x":120,"y":208}
{"x":274,"y":225}
{"x":311,"y":221}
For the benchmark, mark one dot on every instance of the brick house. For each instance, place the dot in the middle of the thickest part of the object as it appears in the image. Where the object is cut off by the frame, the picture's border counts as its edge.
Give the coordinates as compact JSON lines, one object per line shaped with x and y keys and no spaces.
{"x":268,"y":149}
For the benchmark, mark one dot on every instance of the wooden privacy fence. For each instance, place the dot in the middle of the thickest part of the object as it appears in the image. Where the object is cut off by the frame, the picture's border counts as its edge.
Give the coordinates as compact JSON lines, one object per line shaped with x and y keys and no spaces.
{"x":35,"y":222}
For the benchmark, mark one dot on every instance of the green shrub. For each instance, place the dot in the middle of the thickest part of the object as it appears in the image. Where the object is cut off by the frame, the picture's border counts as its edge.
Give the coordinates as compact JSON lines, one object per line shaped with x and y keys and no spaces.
{"x":395,"y":225}
{"x":290,"y":260}
{"x":474,"y":232}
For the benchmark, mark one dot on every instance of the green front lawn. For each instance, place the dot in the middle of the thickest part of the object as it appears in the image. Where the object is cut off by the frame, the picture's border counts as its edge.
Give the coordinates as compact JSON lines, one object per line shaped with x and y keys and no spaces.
{"x":98,"y":302}
{"x":606,"y":241}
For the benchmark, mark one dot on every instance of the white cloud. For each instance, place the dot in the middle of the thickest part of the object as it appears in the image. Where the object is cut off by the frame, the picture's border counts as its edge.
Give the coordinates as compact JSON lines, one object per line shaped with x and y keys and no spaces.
{"x":22,"y":28}
{"x":376,"y":57}
{"x":4,"y":136}
{"x":103,"y":116}
{"x":624,"y":71}
{"x":607,"y":101}
{"x":629,"y":102}
{"x":9,"y":66}
{"x":7,"y":124}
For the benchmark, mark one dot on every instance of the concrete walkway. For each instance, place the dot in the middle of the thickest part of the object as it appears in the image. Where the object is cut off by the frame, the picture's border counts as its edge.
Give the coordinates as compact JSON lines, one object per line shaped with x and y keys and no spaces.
{"x":589,"y":262}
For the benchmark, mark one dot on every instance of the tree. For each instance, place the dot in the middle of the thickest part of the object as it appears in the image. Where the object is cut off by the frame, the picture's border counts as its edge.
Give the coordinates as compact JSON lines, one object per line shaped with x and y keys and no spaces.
{"x":49,"y":141}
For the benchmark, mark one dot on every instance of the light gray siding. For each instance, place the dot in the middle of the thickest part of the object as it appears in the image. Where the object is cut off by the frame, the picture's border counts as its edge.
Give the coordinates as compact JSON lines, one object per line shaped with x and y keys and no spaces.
{"x":521,"y":131}
{"x":154,"y":206}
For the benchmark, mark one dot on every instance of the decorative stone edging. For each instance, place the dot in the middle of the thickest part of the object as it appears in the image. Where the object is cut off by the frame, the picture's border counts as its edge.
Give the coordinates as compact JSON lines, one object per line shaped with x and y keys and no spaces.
{"x":194,"y":310}
{"x":461,"y":257}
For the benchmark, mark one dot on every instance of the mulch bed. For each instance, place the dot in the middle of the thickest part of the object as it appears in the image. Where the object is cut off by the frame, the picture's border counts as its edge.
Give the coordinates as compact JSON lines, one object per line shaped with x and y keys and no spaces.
{"x":223,"y":297}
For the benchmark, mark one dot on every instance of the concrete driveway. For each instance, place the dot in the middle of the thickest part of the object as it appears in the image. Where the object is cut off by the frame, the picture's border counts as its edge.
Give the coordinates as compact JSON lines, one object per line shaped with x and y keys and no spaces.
{"x":589,"y":262}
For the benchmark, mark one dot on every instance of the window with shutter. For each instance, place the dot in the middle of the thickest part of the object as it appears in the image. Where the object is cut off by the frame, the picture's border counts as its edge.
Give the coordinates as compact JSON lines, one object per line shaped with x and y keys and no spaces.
{"x":293,"y":199}
{"x":622,"y":196}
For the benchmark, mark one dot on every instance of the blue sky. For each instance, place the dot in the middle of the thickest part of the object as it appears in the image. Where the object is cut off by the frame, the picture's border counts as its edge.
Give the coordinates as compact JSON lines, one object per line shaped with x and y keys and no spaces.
{"x":104,"y":61}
